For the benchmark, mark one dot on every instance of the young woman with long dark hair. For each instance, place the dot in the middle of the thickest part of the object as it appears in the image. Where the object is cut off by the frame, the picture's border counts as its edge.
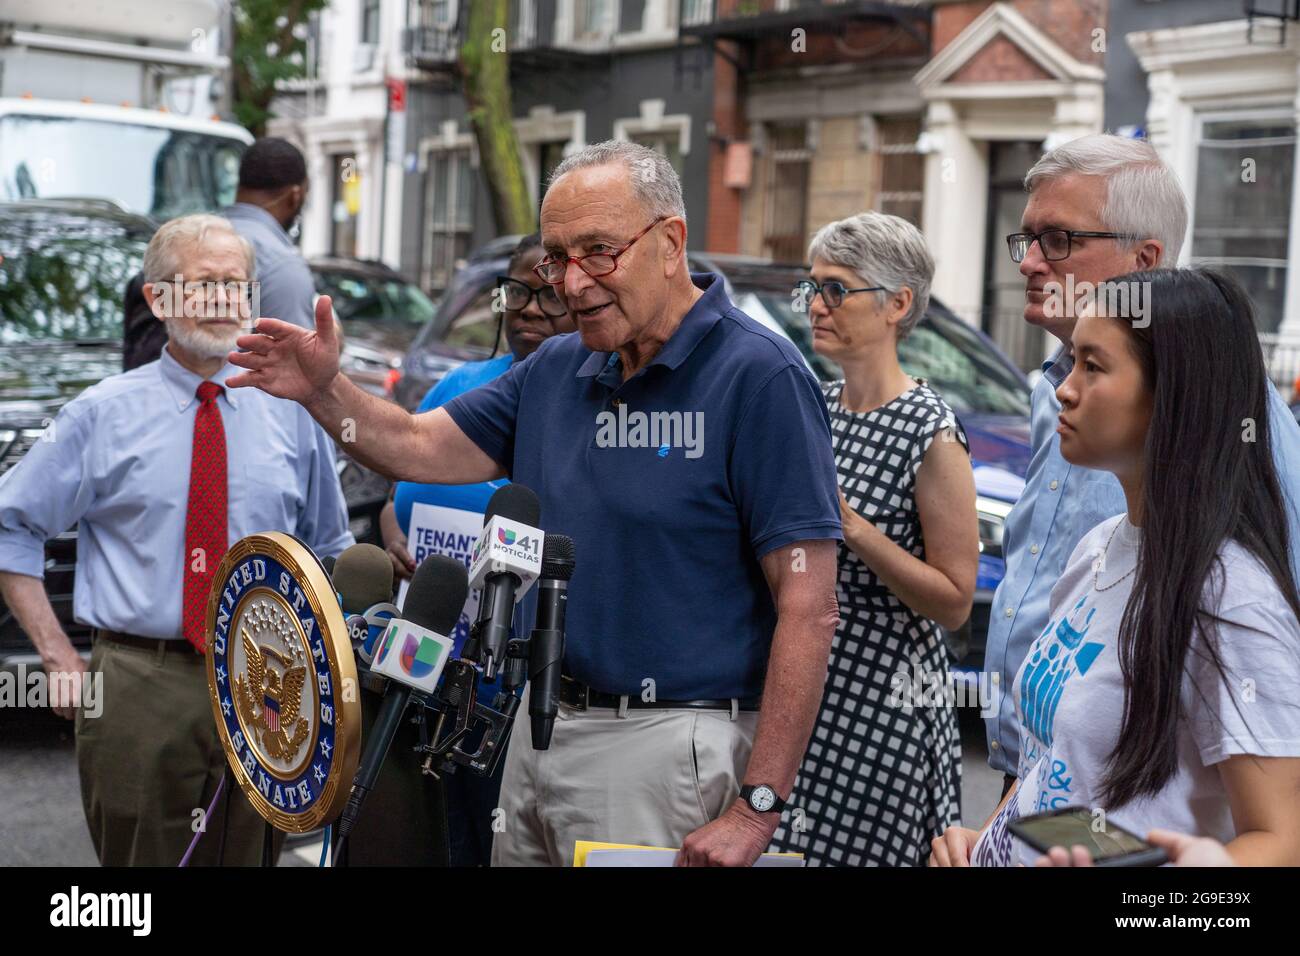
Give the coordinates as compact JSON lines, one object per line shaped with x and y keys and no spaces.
{"x":1166,"y":688}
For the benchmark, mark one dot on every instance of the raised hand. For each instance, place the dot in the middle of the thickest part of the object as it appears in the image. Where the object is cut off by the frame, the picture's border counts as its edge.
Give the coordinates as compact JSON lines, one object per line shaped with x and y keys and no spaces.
{"x":288,"y":361}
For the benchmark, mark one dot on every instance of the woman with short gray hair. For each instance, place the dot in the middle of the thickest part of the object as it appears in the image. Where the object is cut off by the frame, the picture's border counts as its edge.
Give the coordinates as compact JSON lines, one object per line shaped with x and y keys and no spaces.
{"x":882,"y":775}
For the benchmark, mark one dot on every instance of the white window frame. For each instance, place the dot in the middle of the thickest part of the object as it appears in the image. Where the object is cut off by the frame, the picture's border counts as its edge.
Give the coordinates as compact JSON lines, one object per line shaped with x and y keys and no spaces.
{"x":448,"y":140}
{"x":658,"y":26}
{"x":1279,"y":110}
{"x":544,"y":125}
{"x":651,"y":121}
{"x":527,"y":26}
{"x":566,"y":27}
{"x":1211,"y":69}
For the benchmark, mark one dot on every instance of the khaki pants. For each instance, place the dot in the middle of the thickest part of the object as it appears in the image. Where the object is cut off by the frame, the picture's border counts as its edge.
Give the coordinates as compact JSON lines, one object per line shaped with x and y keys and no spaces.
{"x":648,"y":777}
{"x":152,"y":758}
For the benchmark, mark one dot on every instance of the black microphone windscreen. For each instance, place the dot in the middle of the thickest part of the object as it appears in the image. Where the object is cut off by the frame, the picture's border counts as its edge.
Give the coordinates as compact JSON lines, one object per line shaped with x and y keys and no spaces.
{"x":363,"y":576}
{"x":516,"y":502}
{"x":557,"y":557}
{"x":437,"y":594}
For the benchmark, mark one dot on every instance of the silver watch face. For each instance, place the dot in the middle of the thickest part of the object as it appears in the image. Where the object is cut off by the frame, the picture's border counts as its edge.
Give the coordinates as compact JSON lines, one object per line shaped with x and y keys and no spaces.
{"x":762,"y":798}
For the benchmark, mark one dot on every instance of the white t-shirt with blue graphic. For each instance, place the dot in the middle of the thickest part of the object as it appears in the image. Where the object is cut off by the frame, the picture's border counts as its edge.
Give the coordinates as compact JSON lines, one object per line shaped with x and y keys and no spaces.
{"x":1069,"y":696}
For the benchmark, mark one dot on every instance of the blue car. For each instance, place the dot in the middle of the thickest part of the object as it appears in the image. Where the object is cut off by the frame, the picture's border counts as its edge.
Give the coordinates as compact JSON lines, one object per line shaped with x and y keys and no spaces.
{"x":986,"y":390}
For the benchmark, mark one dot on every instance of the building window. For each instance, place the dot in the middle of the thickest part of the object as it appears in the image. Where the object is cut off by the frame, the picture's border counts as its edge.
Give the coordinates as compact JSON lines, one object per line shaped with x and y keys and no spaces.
{"x":668,"y":142}
{"x":436,"y":14}
{"x":523,"y":24}
{"x":345,"y":205}
{"x":593,"y":19}
{"x":449,"y":209}
{"x":1242,"y":212}
{"x":631,"y":16}
{"x":785,"y":234}
{"x":370,"y":21}
{"x":549,"y":154}
{"x":902,"y":170}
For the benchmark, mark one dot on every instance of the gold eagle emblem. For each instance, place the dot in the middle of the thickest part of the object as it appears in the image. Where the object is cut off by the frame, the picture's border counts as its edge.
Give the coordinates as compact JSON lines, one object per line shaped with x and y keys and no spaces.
{"x":270,"y":703}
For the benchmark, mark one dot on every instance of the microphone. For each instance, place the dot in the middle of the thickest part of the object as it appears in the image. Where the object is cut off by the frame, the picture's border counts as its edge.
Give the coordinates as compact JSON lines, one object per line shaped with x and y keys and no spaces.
{"x":546,"y":646}
{"x":328,"y":563}
{"x":413,"y":652}
{"x":507,"y":560}
{"x":363,"y":578}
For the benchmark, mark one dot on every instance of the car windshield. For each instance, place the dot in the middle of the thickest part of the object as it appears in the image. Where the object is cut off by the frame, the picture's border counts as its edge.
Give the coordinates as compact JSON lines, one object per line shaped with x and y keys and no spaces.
{"x":956,"y":362}
{"x":148,"y":170}
{"x":359,"y":298}
{"x":63,"y":276}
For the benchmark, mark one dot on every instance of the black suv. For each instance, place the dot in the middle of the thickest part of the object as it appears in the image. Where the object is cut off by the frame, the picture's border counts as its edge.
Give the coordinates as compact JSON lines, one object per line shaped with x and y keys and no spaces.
{"x":64,"y":265}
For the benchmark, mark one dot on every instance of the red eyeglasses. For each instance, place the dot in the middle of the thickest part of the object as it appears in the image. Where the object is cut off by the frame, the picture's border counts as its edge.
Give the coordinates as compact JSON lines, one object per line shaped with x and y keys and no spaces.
{"x":552,"y":269}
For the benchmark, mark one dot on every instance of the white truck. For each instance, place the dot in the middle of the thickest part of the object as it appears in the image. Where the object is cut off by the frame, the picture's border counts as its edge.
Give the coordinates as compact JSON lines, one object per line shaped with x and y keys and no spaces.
{"x":115,"y":100}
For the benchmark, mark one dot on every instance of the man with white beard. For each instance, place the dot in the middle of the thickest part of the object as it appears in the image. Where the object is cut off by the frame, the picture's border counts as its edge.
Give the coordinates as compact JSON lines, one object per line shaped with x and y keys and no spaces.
{"x":161,"y":468}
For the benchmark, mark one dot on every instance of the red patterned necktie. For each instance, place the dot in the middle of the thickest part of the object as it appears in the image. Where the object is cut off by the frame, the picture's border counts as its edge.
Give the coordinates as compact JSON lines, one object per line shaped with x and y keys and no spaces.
{"x":205,"y":518}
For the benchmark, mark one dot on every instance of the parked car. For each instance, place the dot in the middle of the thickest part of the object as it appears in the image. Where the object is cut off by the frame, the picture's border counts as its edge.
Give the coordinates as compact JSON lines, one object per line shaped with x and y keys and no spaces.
{"x":381,"y":313}
{"x":64,"y":265}
{"x":987,"y":391}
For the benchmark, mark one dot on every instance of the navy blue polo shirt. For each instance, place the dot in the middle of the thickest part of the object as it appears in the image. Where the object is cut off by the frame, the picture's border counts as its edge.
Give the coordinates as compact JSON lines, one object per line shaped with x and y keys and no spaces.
{"x":672,"y":485}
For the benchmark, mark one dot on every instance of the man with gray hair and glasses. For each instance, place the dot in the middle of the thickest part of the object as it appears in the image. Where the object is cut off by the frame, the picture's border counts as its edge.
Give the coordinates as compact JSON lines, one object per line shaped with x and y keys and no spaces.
{"x":161,"y":469}
{"x":1099,"y":206}
{"x":686,"y":450}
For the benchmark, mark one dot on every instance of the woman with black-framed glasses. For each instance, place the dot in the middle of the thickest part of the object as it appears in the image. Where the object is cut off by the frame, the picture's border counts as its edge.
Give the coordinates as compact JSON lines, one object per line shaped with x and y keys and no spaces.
{"x":883,"y":770}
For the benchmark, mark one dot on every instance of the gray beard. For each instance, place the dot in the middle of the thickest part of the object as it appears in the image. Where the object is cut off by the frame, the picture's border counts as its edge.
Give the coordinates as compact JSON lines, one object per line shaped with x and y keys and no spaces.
{"x":200,"y":343}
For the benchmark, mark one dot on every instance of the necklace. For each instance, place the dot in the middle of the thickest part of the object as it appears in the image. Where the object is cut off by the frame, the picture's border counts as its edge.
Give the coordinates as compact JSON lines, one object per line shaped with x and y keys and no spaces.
{"x":1096,"y":573}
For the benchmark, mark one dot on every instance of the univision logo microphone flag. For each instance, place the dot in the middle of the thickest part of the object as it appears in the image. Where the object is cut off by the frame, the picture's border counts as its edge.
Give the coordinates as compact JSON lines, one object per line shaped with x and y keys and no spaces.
{"x":412,"y":654}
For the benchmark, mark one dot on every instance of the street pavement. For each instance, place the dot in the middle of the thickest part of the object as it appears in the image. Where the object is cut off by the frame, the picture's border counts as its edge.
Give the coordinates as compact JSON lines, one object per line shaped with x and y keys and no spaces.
{"x":42,"y":823}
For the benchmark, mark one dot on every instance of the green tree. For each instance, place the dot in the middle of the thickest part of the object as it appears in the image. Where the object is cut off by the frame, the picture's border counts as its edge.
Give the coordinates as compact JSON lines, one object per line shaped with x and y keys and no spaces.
{"x":485,"y":71}
{"x":270,"y":45}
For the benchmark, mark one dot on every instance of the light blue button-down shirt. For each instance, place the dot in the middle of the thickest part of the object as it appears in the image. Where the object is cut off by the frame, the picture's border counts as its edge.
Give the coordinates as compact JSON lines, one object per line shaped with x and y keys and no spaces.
{"x":116,"y":463}
{"x":1060,"y":504}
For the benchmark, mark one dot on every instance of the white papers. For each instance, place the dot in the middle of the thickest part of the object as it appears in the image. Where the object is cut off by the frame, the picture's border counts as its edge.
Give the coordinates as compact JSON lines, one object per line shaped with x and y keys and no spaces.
{"x":655,"y":857}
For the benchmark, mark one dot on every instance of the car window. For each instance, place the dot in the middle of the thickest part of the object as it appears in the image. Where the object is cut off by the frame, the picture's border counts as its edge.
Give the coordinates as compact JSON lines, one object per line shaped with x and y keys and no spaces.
{"x":63,"y":277}
{"x":780,"y":306}
{"x":958,"y":364}
{"x":353,"y":298}
{"x":374,"y":299}
{"x":962,"y":368}
{"x":477,"y":325}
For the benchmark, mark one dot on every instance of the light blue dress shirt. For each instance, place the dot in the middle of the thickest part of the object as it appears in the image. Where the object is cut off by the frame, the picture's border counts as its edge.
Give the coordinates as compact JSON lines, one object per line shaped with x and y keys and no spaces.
{"x":116,"y":463}
{"x":1060,"y":504}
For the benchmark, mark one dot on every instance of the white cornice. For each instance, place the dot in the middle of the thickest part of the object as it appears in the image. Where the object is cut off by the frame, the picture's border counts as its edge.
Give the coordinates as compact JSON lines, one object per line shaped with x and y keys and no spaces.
{"x":1167,"y":48}
{"x":997,"y":90}
{"x":1002,"y":20}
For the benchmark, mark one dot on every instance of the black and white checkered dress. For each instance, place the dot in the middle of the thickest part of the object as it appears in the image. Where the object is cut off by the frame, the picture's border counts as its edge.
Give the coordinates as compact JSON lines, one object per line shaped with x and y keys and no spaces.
{"x":881,"y":777}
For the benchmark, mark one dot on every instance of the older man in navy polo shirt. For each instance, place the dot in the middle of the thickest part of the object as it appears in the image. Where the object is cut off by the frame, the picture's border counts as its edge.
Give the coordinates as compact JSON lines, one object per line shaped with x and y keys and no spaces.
{"x":686,"y":450}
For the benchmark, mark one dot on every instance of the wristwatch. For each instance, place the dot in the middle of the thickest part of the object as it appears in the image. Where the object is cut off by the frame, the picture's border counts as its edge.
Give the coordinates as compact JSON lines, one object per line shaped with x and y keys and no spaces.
{"x":762,"y":798}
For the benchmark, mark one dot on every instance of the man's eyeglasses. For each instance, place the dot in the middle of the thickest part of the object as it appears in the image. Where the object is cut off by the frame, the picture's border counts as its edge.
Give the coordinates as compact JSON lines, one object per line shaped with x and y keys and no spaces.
{"x":515,"y":296}
{"x":832,"y":293}
{"x":1056,"y":244}
{"x":553,"y":268}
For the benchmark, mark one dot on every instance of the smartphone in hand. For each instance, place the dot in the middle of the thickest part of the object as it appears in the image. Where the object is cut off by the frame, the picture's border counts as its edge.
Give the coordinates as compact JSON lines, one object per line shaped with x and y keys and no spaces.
{"x":1107,"y":843}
